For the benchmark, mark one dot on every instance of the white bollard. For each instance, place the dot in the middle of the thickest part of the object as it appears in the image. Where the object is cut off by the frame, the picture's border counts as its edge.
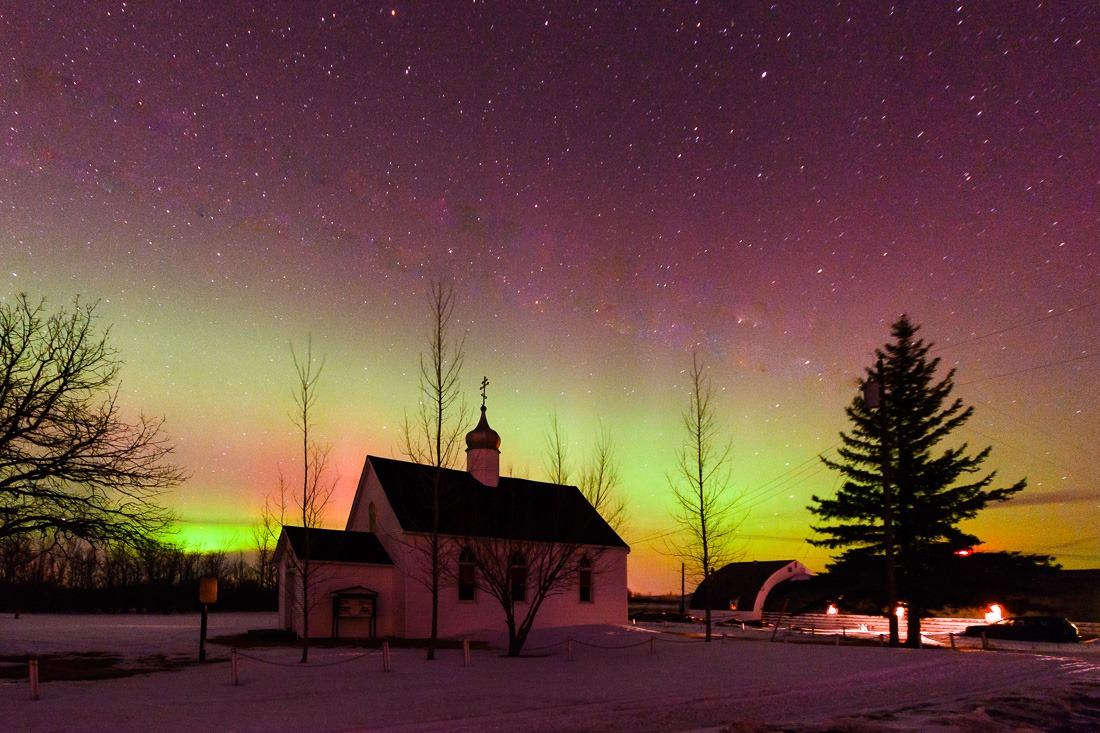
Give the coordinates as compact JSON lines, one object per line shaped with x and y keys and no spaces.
{"x":466,"y":652}
{"x":33,"y":672}
{"x":386,"y":656}
{"x":952,"y":635}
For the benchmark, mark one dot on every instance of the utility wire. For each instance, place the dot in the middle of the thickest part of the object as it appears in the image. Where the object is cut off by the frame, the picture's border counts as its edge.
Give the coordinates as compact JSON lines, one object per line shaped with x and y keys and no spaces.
{"x":1036,"y":368}
{"x":1041,"y":431}
{"x":783,"y":482}
{"x":1006,"y":329}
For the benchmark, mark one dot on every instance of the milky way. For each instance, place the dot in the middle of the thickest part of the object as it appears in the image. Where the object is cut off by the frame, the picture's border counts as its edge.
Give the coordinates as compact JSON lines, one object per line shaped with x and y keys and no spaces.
{"x":608,"y":187}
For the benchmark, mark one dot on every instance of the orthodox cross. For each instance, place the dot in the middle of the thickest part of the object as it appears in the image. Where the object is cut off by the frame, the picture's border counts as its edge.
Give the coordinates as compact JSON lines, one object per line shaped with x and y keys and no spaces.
{"x":484,"y":384}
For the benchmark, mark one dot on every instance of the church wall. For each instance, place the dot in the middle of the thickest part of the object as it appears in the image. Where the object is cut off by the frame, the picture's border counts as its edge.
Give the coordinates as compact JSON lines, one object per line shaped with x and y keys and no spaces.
{"x":389,"y":533}
{"x":328,"y":577}
{"x":609,"y":592}
{"x":289,"y":589}
{"x":458,"y":618}
{"x":455,"y":616}
{"x":406,"y":603}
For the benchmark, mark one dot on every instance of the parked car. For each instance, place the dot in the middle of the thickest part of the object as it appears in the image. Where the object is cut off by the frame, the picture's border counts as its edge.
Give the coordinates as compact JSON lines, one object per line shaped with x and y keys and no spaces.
{"x":1028,"y":628}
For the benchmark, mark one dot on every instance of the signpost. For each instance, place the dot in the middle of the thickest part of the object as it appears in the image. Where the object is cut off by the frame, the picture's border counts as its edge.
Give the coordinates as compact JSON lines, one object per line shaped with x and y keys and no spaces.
{"x":208,"y":593}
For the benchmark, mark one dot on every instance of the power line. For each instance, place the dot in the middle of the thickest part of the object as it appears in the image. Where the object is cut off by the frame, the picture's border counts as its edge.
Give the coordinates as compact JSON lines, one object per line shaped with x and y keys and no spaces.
{"x":1048,"y":365}
{"x":1037,"y":429}
{"x":806,"y":477}
{"x":1006,"y":329}
{"x":785,"y":480}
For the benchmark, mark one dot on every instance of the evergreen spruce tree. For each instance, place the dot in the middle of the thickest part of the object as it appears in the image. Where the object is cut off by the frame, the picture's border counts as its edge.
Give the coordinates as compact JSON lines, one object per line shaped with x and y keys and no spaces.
{"x":897,"y":471}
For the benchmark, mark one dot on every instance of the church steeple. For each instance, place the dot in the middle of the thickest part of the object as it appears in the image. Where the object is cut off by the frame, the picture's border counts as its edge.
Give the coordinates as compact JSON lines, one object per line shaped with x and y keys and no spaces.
{"x":483,"y":448}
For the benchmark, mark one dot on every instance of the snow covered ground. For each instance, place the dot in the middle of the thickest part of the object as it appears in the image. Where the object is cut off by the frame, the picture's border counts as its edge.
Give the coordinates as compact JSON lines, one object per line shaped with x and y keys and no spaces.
{"x":618,"y":680}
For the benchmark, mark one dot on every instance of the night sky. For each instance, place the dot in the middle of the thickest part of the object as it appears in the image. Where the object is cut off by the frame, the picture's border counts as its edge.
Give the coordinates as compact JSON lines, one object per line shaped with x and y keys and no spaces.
{"x":608,"y":186}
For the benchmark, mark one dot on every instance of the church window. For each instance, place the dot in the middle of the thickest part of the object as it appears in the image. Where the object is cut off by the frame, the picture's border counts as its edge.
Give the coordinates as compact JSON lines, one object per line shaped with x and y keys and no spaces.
{"x":584,"y":579}
{"x":517,"y":575}
{"x":466,"y":575}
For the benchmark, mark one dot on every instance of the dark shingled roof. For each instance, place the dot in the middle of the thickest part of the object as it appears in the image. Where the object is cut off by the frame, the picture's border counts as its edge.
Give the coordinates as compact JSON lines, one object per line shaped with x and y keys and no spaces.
{"x":738,"y":581}
{"x":516,"y":509}
{"x":337,"y":545}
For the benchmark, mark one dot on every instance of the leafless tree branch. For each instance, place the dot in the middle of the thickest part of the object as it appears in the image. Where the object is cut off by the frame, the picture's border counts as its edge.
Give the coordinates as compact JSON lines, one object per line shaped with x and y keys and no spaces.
{"x":70,"y":462}
{"x":704,"y":513}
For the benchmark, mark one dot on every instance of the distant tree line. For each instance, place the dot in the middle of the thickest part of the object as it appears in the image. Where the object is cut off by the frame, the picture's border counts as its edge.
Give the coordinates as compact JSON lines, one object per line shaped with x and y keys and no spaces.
{"x":62,"y":574}
{"x":956,"y":585}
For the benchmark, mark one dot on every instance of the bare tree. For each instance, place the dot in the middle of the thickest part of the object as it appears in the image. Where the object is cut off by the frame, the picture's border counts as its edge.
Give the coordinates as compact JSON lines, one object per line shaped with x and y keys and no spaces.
{"x":556,"y":459}
{"x":265,"y":535}
{"x":600,"y":481}
{"x":306,"y":503}
{"x":599,"y":477}
{"x":522,"y":574}
{"x":215,"y":563}
{"x":433,"y":438}
{"x":70,"y":463}
{"x":703,"y":513}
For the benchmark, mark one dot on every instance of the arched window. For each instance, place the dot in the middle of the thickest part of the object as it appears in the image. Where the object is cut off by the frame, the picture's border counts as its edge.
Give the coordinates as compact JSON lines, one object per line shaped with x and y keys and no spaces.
{"x":584,"y":580}
{"x":466,"y":575}
{"x":517,"y":576}
{"x":372,"y":518}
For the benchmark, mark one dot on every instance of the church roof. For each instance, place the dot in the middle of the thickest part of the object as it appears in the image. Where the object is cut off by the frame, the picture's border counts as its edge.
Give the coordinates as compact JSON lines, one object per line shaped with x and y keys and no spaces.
{"x":516,"y":509}
{"x":337,"y":545}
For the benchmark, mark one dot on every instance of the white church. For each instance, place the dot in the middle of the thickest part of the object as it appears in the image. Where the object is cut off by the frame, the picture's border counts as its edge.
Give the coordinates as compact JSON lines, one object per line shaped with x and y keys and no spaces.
{"x":369,"y":580}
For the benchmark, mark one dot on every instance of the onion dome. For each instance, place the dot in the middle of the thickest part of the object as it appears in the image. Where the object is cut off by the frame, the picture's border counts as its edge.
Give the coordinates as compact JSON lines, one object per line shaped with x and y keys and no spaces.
{"x":482,"y":436}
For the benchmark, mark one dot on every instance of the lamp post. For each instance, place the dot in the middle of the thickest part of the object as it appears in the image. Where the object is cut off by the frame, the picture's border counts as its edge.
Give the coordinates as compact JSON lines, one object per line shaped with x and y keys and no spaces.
{"x":875,"y":397}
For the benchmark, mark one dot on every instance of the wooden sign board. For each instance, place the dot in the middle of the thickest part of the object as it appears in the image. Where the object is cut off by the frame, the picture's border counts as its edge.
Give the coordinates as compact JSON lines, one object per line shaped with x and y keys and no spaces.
{"x":356,"y":608}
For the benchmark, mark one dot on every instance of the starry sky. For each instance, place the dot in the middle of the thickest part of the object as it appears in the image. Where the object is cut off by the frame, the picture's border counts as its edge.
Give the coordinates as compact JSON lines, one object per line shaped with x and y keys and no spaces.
{"x":608,"y":186}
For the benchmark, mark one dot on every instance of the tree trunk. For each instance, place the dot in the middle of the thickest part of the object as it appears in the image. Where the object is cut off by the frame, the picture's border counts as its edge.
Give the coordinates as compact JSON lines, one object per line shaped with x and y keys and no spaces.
{"x":435,"y":580}
{"x":305,"y":606}
{"x":912,"y":628}
{"x":515,"y":643}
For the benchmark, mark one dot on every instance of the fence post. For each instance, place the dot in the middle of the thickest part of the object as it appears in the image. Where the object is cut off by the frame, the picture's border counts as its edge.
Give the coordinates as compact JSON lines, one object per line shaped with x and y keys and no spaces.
{"x":33,"y":672}
{"x":837,"y":637}
{"x":985,"y":641}
{"x":466,"y":652}
{"x":234,"y":668}
{"x":569,"y":649}
{"x":385,"y":656}
{"x":952,"y":636}
{"x":652,"y":645}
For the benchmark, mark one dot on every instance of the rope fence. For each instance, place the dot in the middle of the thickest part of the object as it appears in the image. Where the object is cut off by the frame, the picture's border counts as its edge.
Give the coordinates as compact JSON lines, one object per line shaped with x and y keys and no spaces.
{"x":299,"y":665}
{"x":789,"y":632}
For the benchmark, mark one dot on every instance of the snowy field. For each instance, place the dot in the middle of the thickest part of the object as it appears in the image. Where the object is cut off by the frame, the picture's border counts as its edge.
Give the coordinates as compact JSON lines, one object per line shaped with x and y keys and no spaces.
{"x":618,"y":680}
